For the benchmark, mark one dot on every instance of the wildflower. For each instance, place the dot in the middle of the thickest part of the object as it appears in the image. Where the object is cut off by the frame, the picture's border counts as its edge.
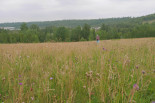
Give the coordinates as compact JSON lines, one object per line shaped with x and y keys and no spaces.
{"x":136,"y":87}
{"x":20,"y":84}
{"x":104,"y":48}
{"x":20,"y":76}
{"x":143,"y":71}
{"x":32,"y":98}
{"x":137,"y":67}
{"x":51,"y":78}
{"x":31,"y":89}
{"x":153,"y":102}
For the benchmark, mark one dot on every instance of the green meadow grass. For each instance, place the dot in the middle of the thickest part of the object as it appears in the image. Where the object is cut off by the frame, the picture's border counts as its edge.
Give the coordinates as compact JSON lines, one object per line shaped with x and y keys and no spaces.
{"x":78,"y":72}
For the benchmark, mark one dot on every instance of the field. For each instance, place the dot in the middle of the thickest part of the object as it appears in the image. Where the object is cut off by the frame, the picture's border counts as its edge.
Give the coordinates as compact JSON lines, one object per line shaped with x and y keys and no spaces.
{"x":113,"y":71}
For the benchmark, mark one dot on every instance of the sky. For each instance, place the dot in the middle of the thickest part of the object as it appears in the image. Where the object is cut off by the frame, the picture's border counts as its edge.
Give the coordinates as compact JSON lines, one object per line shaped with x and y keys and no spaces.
{"x":49,"y":10}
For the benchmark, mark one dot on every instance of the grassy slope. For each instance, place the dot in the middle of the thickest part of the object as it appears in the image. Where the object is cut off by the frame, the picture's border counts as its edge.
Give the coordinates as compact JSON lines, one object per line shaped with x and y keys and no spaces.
{"x":82,"y":72}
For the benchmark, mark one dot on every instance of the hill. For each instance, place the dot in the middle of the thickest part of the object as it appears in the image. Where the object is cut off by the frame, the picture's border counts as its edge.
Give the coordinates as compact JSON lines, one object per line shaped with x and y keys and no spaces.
{"x":92,"y":22}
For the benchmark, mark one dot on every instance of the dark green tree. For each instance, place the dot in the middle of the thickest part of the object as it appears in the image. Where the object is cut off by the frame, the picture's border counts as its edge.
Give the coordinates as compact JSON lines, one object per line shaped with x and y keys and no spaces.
{"x":104,"y":27}
{"x":92,"y":35}
{"x":23,"y":27}
{"x":35,"y":28}
{"x":86,"y":31}
{"x":61,"y":34}
{"x":76,"y":34}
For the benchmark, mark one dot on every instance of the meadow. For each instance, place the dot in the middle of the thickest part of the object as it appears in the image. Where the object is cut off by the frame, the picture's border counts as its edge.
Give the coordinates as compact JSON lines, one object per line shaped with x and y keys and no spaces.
{"x":113,"y":71}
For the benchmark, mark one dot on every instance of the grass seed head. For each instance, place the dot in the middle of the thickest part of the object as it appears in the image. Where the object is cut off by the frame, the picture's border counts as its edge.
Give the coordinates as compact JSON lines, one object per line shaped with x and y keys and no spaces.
{"x":84,"y":87}
{"x":3,"y":78}
{"x":97,"y":74}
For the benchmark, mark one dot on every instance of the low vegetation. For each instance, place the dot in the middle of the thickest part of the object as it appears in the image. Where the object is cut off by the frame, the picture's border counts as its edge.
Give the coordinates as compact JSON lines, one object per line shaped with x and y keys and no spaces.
{"x":113,"y":71}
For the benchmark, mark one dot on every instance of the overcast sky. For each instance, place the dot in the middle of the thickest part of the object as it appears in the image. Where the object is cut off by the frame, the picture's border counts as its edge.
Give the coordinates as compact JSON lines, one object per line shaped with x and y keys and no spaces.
{"x":49,"y":10}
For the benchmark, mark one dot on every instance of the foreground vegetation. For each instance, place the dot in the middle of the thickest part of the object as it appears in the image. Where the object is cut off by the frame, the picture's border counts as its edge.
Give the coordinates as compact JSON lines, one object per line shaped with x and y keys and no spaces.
{"x":113,"y":71}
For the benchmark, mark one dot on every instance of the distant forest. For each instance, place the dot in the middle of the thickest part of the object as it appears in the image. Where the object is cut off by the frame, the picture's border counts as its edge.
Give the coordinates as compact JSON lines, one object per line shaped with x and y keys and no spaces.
{"x":79,"y":30}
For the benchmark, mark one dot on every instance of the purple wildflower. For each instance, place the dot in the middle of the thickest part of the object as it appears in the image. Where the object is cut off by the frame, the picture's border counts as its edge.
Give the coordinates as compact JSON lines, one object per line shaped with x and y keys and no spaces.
{"x":32,"y":98}
{"x":153,"y":102}
{"x":143,"y":71}
{"x":135,"y":86}
{"x":51,"y":78}
{"x":20,"y":76}
{"x":104,"y":48}
{"x":137,"y":67}
{"x":20,"y":84}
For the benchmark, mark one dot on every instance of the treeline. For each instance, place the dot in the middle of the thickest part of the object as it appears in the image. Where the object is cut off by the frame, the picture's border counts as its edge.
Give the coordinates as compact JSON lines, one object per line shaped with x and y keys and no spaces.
{"x":33,"y":34}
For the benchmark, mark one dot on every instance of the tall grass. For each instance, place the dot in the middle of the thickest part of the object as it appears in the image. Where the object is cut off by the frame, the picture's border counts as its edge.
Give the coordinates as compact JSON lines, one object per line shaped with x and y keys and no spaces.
{"x":83,"y":72}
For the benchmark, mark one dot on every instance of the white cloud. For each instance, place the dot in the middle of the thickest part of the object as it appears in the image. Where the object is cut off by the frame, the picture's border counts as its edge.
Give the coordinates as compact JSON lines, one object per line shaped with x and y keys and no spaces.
{"x":36,"y":10}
